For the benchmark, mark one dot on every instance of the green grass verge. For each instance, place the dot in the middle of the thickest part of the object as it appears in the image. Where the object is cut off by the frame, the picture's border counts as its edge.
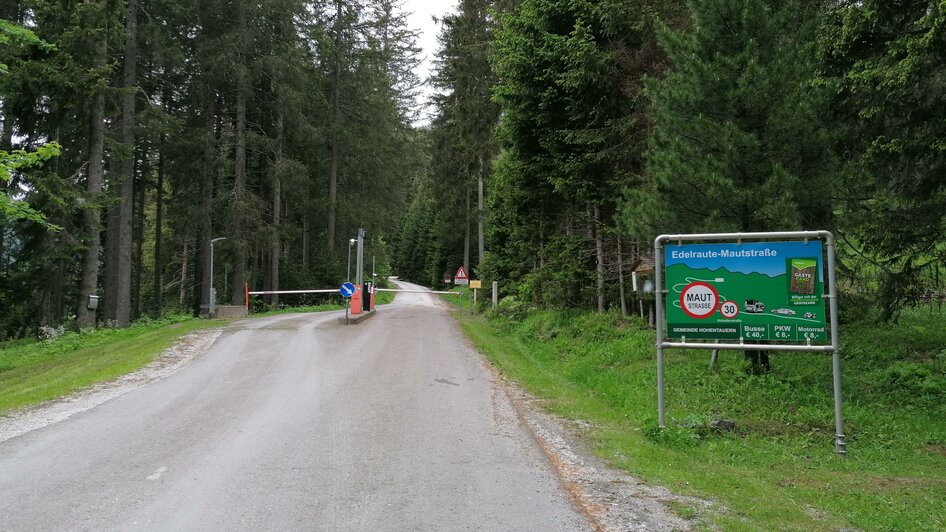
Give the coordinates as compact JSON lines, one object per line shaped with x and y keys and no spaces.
{"x":778,"y":470}
{"x":33,"y":372}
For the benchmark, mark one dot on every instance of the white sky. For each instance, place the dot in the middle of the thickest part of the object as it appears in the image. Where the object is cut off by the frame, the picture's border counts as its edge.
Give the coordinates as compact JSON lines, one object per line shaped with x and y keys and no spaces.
{"x":420,"y":18}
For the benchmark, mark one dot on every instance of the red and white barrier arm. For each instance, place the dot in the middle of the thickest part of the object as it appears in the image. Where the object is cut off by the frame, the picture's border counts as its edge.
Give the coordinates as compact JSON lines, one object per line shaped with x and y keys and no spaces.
{"x":415,"y":291}
{"x":274,"y":292}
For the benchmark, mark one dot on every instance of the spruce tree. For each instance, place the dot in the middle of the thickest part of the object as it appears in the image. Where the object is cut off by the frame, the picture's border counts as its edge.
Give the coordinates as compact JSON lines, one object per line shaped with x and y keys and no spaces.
{"x":886,"y":62}
{"x":737,"y":142}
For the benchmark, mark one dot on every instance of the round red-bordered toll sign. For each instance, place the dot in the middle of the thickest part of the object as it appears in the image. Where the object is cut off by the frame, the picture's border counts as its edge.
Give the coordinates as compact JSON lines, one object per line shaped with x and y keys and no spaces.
{"x":729,"y":309}
{"x":699,"y":300}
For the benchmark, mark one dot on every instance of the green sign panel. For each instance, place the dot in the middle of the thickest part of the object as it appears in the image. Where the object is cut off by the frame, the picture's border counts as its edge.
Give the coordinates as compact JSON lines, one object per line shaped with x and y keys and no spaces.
{"x":751,"y":291}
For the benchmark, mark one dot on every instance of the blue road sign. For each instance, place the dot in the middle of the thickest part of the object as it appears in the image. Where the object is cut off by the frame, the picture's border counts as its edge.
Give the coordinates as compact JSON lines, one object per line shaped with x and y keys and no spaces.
{"x":347,"y":290}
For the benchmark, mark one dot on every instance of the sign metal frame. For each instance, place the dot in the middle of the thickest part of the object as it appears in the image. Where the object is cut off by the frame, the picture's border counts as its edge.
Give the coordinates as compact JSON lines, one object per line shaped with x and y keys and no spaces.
{"x":830,"y":294}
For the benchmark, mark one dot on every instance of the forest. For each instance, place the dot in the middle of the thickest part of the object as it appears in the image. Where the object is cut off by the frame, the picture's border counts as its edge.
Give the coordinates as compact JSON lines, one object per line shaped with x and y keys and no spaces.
{"x":565,"y":135}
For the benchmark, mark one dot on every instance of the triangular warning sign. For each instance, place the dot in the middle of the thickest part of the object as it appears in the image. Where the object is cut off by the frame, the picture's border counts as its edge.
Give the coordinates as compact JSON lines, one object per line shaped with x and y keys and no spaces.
{"x":461,"y":274}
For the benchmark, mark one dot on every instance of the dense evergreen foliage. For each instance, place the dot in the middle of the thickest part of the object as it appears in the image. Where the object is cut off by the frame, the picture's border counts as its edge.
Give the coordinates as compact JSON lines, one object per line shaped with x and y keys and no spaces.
{"x":622,"y":120}
{"x":281,"y":125}
{"x":564,"y":136}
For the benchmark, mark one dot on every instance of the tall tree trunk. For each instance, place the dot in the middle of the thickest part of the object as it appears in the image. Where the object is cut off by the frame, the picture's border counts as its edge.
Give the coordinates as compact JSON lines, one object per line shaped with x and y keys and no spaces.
{"x":481,"y":249}
{"x":88,"y":285}
{"x":277,"y":210}
{"x":239,"y":181}
{"x":3,"y":238}
{"x":305,"y":238}
{"x":336,"y":126}
{"x":202,"y":279}
{"x":111,"y":253}
{"x":599,"y":255}
{"x":621,"y":278}
{"x":158,"y":299}
{"x":6,"y":142}
{"x":466,"y":231}
{"x":239,"y":191}
{"x":184,"y":256}
{"x":138,"y":235}
{"x":51,"y":301}
{"x":332,"y":197}
{"x":127,"y":169}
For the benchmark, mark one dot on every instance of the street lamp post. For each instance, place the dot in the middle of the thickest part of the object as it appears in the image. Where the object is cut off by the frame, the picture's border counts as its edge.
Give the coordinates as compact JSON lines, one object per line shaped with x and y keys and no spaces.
{"x":213,"y":295}
{"x":351,"y":242}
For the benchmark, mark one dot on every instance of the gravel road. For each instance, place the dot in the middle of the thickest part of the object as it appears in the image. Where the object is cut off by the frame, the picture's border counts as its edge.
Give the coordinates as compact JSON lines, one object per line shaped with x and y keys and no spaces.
{"x":298,"y":422}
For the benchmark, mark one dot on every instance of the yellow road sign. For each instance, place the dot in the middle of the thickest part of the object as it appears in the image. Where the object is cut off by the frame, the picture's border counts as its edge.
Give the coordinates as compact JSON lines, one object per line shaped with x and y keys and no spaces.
{"x":476,"y":284}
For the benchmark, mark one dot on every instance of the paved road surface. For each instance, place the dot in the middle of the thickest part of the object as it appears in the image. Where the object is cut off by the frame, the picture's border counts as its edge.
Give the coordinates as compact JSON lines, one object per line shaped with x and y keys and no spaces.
{"x":297,"y":422}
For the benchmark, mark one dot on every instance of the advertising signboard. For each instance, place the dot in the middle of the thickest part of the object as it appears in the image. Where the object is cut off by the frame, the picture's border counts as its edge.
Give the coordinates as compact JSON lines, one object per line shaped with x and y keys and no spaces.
{"x":748,"y":291}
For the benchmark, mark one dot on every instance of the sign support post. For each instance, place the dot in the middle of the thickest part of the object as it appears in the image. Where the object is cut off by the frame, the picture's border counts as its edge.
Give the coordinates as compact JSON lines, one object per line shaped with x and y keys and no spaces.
{"x":840,"y":446}
{"x":360,"y":259}
{"x":347,"y":290}
{"x":659,"y":301}
{"x":749,"y":269}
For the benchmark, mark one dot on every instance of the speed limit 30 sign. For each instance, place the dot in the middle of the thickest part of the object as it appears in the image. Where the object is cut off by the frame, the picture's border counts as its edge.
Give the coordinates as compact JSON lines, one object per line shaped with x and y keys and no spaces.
{"x":729,"y":309}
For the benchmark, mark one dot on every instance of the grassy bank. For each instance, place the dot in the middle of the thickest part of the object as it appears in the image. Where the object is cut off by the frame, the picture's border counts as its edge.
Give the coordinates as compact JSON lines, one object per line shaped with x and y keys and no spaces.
{"x":777,"y":470}
{"x":35,"y":371}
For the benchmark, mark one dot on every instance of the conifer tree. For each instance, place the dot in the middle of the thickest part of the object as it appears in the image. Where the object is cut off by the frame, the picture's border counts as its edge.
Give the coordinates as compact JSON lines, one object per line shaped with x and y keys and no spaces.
{"x":886,"y":62}
{"x":737,"y":144}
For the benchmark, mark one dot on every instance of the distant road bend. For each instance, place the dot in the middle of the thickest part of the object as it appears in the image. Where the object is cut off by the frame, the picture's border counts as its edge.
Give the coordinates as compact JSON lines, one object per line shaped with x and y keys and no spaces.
{"x":298,"y":422}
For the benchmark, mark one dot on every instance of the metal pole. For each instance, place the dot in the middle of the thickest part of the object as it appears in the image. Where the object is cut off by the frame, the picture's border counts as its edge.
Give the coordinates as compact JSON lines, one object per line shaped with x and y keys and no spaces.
{"x":495,"y":294}
{"x":350,"y":242}
{"x":659,"y":322}
{"x":840,"y":446}
{"x":360,"y":259}
{"x":211,"y":303}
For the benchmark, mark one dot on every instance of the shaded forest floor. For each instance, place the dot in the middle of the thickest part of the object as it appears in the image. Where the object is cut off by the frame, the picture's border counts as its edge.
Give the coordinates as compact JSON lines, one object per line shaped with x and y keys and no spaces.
{"x":777,"y":469}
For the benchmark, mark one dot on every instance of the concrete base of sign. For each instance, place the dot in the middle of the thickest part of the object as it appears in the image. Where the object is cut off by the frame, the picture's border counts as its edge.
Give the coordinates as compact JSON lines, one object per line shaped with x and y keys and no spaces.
{"x":358,"y":318}
{"x":230,"y":311}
